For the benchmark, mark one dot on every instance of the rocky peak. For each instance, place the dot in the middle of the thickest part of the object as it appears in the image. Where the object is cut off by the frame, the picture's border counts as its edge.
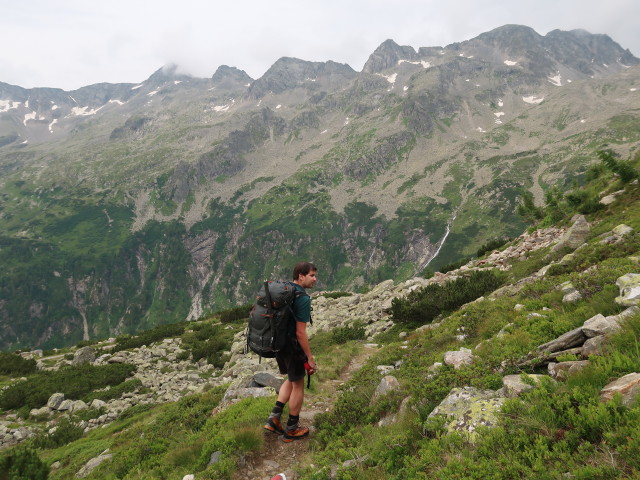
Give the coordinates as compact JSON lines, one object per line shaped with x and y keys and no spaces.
{"x":288,"y":73}
{"x":387,"y":55}
{"x":230,"y":77}
{"x":581,"y":48}
{"x":166,"y":74}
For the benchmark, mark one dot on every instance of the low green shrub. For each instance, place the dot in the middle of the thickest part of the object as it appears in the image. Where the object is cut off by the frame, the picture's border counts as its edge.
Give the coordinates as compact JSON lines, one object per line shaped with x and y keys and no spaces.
{"x":63,"y":433}
{"x":74,"y":381}
{"x":454,"y":265}
{"x":336,"y":294}
{"x":342,"y":335}
{"x":15,"y":365}
{"x":492,"y":244}
{"x":235,"y":314}
{"x":425,"y":304}
{"x":113,"y":392}
{"x":22,"y":463}
{"x":150,"y":336}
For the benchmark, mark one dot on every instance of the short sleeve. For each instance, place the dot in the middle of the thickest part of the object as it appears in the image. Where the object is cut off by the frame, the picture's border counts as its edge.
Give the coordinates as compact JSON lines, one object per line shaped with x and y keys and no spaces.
{"x":302,"y":308}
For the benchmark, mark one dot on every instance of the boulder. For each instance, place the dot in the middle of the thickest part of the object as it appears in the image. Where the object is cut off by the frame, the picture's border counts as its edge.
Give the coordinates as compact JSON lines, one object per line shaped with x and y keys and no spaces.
{"x":629,"y":285}
{"x":575,"y":236}
{"x":92,"y":464}
{"x":571,"y":294}
{"x":97,"y":403}
{"x":573,"y":338}
{"x":594,"y":346}
{"x":600,"y":325}
{"x":55,"y":400}
{"x":458,"y":358}
{"x":627,"y":386}
{"x":387,"y":384}
{"x":36,"y":412}
{"x":468,"y":408}
{"x":266,"y":379}
{"x":562,"y":370}
{"x":66,"y":405}
{"x":84,"y":355}
{"x":514,"y":385}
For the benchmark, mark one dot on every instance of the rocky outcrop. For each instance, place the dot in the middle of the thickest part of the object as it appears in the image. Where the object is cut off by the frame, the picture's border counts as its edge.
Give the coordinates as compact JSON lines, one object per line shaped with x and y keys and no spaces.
{"x":628,"y":387}
{"x":92,"y":464}
{"x":629,"y":285}
{"x":468,"y":408}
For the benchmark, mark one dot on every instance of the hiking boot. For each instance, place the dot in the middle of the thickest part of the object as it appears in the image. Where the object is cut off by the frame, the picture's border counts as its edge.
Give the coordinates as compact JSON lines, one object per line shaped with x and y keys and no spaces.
{"x":274,"y":425}
{"x":295,"y":432}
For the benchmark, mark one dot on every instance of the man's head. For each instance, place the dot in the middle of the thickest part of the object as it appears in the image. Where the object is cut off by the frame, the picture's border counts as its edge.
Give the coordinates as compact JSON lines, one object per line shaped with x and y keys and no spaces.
{"x":304,"y":274}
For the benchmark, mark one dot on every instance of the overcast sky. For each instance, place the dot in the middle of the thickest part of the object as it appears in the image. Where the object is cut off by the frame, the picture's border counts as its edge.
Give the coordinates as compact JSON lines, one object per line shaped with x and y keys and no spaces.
{"x":73,"y":43}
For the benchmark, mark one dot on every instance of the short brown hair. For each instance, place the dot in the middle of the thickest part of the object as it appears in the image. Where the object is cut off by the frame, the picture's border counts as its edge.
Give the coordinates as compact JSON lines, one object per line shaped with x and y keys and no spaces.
{"x":303,"y":268}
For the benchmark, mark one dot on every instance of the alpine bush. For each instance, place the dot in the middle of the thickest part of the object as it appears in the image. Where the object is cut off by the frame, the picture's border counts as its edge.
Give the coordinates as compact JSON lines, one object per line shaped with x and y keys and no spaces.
{"x":423,"y":305}
{"x":12,"y":364}
{"x":73,"y":381}
{"x":22,"y":464}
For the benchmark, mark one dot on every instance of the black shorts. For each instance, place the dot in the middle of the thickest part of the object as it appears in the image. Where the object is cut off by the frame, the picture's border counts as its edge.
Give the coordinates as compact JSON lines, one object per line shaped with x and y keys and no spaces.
{"x":291,"y":363}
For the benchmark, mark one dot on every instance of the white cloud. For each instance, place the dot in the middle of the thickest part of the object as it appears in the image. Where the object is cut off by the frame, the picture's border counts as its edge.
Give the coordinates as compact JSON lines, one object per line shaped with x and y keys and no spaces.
{"x":126,"y":41}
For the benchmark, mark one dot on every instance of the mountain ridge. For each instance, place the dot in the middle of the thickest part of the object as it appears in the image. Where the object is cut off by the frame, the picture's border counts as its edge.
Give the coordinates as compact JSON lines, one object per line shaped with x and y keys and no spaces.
{"x":105,"y":205}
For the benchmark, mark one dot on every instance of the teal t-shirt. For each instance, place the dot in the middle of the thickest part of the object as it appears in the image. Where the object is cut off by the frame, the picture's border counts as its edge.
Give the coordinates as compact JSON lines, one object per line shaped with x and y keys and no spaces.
{"x":302,"y":306}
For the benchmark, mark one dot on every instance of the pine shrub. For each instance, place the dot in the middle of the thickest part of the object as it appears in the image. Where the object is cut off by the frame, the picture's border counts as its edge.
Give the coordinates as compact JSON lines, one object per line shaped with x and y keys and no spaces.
{"x":74,"y":381}
{"x":424,"y":305}
{"x":22,"y":463}
{"x":15,"y":365}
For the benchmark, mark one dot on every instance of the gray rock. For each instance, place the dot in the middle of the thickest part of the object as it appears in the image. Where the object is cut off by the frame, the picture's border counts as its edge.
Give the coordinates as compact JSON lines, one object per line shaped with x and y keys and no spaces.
{"x":600,"y":325}
{"x":514,"y":386}
{"x":573,"y":338}
{"x":97,"y":403}
{"x":622,"y":230}
{"x":387,"y":384}
{"x":266,"y":379}
{"x":629,"y":285}
{"x":66,"y":405}
{"x":40,"y":411}
{"x":562,"y":370}
{"x":79,"y":405}
{"x":55,"y":400}
{"x":627,"y":386}
{"x":458,"y":358}
{"x":575,"y":236}
{"x":468,"y":408}
{"x":214,"y":458}
{"x":92,"y":464}
{"x":594,"y":346}
{"x":84,"y":355}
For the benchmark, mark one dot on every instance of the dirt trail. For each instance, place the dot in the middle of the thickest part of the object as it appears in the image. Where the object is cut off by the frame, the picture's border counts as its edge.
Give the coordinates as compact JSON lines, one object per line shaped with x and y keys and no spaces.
{"x":279,"y":457}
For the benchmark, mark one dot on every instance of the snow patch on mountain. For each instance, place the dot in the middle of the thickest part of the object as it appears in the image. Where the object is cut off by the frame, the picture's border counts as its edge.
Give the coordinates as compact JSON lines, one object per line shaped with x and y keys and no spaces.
{"x":6,"y":105}
{"x":31,"y":116}
{"x":83,"y":111}
{"x":510,"y":63}
{"x":422,"y":62}
{"x":55,"y":120}
{"x":119,"y":102}
{"x":556,"y":80}
{"x":137,"y":86}
{"x":390,"y":78}
{"x":533,"y":99}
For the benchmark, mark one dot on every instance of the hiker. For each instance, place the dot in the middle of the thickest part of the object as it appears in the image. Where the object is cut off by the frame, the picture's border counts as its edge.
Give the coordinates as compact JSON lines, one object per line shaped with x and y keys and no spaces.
{"x":291,"y":360}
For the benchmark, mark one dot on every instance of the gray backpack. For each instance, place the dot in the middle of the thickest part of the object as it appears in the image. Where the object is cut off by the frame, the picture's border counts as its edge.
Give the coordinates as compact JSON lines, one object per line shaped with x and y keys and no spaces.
{"x":271,"y":318}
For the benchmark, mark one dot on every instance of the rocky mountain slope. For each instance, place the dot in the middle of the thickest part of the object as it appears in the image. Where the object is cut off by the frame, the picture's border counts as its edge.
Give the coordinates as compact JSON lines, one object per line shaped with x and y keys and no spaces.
{"x":551,"y":351}
{"x":128,"y":206}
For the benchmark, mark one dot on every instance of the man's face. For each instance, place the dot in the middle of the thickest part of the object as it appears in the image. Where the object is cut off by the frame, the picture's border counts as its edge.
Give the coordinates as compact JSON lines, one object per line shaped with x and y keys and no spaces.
{"x":308,"y":280}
